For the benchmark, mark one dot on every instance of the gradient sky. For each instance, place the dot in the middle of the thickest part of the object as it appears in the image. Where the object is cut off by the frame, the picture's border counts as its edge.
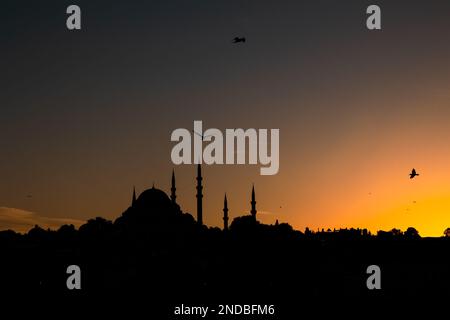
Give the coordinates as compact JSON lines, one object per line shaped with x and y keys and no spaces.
{"x":88,"y":114}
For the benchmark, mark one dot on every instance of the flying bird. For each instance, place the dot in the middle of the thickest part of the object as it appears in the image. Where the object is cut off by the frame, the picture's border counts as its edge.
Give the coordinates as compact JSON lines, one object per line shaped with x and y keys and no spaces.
{"x":238,"y":39}
{"x":413,"y":173}
{"x":202,"y":135}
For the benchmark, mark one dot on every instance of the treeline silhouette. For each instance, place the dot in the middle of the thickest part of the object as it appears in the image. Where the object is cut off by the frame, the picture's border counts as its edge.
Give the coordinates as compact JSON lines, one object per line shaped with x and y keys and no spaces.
{"x":155,"y":249}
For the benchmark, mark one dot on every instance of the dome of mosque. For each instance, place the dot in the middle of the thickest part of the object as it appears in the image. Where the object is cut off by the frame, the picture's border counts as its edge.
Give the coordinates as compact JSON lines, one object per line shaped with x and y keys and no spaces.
{"x":153,"y":199}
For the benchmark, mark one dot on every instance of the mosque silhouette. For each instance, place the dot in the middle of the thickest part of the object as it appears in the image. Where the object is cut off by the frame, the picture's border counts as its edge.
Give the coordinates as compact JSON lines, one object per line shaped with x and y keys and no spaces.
{"x":155,"y":203}
{"x":154,"y":256}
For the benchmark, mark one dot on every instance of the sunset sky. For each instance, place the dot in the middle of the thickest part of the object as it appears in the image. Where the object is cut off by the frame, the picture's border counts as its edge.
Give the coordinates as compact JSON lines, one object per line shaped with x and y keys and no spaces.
{"x":85,"y":115}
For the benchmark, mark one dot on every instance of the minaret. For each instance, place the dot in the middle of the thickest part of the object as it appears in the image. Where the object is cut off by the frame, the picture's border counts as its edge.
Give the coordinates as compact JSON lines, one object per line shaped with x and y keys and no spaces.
{"x":133,"y":201}
{"x":173,"y":196}
{"x":225,"y":214}
{"x":253,"y":203}
{"x":199,"y":196}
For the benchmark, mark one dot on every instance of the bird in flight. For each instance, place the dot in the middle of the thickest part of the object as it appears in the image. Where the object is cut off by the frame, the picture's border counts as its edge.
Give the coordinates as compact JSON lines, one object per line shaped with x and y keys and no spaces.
{"x":413,"y":173}
{"x":201,"y":135}
{"x":238,"y":39}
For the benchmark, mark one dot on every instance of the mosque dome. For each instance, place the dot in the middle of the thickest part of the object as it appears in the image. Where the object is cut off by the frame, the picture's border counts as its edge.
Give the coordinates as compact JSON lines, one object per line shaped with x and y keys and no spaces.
{"x":153,"y":198}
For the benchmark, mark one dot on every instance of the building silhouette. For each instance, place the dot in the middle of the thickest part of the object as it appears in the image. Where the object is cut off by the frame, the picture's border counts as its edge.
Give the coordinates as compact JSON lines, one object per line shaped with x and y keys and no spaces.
{"x":173,"y":189}
{"x":199,"y":195}
{"x":133,"y":200}
{"x":253,"y":203}
{"x":225,"y":214}
{"x":148,"y":198}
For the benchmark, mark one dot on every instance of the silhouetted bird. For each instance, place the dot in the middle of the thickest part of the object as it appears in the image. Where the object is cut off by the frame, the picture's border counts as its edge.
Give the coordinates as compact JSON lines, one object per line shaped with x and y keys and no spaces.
{"x":413,"y":173}
{"x":237,"y":39}
{"x":201,"y":135}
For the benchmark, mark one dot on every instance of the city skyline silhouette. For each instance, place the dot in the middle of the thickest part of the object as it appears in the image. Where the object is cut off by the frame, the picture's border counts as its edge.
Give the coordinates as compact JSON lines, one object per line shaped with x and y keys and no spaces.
{"x":157,"y":256}
{"x":176,"y":159}
{"x":24,"y":228}
{"x":90,"y":112}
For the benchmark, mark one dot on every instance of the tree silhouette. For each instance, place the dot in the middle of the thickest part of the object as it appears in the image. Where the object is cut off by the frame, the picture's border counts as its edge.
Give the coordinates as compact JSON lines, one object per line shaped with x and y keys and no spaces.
{"x":447,"y":233}
{"x":412,"y":233}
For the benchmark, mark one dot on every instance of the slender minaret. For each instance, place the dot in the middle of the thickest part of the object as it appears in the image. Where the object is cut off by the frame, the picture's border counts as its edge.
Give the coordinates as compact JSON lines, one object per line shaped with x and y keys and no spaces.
{"x":173,"y":196}
{"x":253,"y":203}
{"x":133,"y":201}
{"x":199,"y":196}
{"x":225,"y":214}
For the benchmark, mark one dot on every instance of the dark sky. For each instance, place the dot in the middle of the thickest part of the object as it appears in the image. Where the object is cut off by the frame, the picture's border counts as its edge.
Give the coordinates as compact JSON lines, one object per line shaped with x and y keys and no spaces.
{"x":88,"y":114}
